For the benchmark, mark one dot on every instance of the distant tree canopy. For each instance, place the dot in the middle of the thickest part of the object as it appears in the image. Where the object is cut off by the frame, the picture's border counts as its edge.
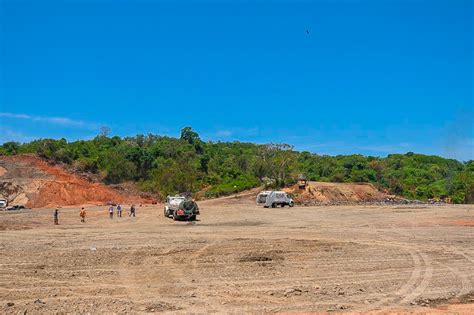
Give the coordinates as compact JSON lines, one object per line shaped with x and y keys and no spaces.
{"x":165,"y":165}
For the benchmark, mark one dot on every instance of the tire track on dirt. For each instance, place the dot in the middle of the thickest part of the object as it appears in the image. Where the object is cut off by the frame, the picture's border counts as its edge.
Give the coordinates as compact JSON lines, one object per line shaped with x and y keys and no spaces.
{"x":425,"y":261}
{"x":146,"y":275}
{"x":466,"y":285}
{"x":413,"y":282}
{"x":211,"y":304}
{"x":420,"y":277}
{"x":423,"y":285}
{"x":127,"y":277}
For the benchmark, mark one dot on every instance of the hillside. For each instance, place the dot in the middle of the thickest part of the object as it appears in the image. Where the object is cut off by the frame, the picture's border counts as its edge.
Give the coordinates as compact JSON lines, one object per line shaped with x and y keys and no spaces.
{"x":163,"y":165}
{"x":33,"y":182}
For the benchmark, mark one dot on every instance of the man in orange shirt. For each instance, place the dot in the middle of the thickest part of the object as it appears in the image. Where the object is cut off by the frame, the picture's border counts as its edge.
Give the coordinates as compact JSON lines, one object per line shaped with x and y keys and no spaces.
{"x":82,"y":214}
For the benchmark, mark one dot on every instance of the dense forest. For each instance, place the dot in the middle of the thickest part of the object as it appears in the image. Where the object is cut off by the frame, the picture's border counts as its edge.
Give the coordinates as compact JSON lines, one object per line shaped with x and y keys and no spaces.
{"x":165,"y":165}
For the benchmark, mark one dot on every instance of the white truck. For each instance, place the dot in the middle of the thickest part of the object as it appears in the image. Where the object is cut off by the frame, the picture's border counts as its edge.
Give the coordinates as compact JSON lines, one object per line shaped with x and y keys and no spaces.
{"x":3,"y":203}
{"x":278,"y":198}
{"x":262,"y":197}
{"x":180,"y":207}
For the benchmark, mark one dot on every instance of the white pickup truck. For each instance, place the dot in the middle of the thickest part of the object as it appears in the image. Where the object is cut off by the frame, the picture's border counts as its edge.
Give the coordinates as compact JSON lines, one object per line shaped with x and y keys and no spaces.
{"x":278,"y":198}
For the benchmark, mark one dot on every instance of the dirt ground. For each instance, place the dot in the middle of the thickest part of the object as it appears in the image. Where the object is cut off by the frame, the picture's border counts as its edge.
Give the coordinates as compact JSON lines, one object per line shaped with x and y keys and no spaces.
{"x":239,"y":258}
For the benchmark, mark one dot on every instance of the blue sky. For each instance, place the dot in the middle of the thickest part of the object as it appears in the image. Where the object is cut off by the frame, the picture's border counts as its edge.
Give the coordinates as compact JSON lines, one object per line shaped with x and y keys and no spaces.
{"x":371,"y":77}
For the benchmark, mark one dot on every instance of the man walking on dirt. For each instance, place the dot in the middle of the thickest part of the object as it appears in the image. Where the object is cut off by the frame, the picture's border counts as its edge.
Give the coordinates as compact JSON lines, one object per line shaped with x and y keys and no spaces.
{"x":119,"y":211}
{"x":56,"y":217}
{"x":111,"y":212}
{"x":82,"y":214}
{"x":132,"y":211}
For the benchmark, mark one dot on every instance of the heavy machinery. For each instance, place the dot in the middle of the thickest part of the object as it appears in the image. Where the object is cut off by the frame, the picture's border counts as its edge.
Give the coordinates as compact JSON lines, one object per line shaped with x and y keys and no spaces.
{"x":302,"y":182}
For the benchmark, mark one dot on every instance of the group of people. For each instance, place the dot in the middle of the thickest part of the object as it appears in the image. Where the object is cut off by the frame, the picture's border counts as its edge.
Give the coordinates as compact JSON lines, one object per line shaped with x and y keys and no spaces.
{"x":82,"y":213}
{"x":131,"y":212}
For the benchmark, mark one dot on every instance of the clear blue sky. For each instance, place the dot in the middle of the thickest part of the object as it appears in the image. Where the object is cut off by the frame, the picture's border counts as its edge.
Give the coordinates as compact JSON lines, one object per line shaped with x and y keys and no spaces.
{"x":371,"y":77}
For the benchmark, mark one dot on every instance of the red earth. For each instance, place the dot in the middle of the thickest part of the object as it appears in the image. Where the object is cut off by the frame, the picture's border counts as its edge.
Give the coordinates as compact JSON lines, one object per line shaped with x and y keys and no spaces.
{"x":31,"y":181}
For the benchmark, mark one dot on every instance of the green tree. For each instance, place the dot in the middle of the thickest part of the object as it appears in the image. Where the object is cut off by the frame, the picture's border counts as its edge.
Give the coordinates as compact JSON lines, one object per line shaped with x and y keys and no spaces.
{"x":11,"y":147}
{"x":162,"y":164}
{"x":117,"y":168}
{"x":190,"y":136}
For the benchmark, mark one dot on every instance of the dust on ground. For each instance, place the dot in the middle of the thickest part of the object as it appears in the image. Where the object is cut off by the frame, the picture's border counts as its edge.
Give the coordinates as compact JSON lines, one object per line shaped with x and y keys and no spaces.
{"x":239,"y":258}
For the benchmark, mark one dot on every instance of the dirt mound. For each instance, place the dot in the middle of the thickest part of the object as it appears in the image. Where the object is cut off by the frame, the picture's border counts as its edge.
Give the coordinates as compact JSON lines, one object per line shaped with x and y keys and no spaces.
{"x":28,"y":180}
{"x":322,"y":192}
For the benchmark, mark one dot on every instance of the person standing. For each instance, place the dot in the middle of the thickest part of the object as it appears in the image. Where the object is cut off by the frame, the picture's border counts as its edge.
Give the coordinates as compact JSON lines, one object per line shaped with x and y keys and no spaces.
{"x":111,"y":212}
{"x":56,"y":217}
{"x":119,"y":211}
{"x":82,"y":214}
{"x":132,"y":211}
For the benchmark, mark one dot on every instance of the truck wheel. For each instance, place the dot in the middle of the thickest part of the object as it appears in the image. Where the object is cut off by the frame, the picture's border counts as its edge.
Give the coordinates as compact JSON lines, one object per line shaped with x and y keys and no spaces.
{"x":192,"y":218}
{"x":292,"y":204}
{"x":283,"y":205}
{"x":274,"y":205}
{"x":188,"y":205}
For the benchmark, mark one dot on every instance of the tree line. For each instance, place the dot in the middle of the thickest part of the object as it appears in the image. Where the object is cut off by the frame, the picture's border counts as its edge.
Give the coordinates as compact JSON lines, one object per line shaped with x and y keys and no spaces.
{"x":165,"y":165}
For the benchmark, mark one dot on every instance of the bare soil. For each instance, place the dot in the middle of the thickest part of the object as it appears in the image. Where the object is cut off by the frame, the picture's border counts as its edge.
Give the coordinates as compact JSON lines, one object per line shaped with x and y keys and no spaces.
{"x":239,"y":258}
{"x":337,"y":193}
{"x":28,"y":180}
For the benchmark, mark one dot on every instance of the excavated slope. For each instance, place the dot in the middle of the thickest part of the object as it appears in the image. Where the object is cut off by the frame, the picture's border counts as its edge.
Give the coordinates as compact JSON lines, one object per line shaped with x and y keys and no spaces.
{"x":30,"y":181}
{"x":322,"y":192}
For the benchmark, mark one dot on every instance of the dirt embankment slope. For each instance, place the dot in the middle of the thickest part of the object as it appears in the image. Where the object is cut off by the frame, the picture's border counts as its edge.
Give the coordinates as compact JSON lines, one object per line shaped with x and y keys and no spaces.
{"x":28,"y":180}
{"x":333,"y":193}
{"x":316,"y":193}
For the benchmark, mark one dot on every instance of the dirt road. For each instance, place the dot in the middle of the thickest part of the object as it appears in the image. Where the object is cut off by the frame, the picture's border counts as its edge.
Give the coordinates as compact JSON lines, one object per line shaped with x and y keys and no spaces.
{"x":239,"y":258}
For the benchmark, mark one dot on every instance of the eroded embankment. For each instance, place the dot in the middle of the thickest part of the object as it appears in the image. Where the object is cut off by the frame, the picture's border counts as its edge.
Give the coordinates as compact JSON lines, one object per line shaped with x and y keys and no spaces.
{"x":337,"y":193}
{"x":30,"y":181}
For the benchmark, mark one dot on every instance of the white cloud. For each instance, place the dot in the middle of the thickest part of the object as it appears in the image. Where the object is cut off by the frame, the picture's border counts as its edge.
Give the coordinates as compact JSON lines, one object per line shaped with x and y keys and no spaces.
{"x":224,"y":133}
{"x":63,"y":121}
